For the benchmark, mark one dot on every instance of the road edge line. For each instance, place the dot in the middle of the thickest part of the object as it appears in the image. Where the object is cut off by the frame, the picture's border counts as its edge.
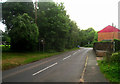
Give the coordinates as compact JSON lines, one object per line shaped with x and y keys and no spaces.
{"x":82,"y":76}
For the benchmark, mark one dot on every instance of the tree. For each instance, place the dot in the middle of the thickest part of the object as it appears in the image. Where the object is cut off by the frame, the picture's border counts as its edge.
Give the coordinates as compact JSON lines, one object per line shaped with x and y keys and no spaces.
{"x":53,"y":25}
{"x":56,"y":30}
{"x":5,"y":37}
{"x":11,"y":10}
{"x":88,"y":36}
{"x":95,"y":37}
{"x":24,"y":34}
{"x":91,"y":35}
{"x":73,"y":35}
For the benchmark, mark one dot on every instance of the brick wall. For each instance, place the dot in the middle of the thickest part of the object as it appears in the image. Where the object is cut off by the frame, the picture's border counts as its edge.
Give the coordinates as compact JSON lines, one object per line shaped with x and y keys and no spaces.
{"x":108,"y":36}
{"x":118,"y":35}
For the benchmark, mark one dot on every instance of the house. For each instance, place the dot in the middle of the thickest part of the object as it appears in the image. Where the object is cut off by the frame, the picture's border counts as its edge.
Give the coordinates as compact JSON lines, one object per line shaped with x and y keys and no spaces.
{"x":109,"y":33}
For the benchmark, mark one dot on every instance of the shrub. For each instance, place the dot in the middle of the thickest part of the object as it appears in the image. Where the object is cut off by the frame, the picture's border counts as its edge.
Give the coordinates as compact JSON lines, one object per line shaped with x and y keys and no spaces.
{"x":115,"y":57}
{"x":111,"y":68}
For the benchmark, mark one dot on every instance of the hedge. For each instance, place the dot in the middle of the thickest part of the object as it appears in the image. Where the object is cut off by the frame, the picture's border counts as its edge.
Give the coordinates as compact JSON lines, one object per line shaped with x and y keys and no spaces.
{"x":117,"y":45}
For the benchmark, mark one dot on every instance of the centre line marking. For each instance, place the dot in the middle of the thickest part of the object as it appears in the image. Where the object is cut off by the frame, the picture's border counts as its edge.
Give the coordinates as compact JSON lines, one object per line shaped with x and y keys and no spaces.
{"x":74,"y":53}
{"x":44,"y":69}
{"x":66,"y":57}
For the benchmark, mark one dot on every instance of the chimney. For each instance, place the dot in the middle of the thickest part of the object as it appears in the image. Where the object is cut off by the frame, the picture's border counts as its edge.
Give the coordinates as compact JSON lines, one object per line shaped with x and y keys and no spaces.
{"x":113,"y":24}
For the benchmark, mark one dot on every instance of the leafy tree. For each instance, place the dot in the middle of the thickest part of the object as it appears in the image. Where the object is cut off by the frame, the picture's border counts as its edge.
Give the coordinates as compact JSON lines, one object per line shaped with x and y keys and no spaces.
{"x":53,"y":25}
{"x":5,"y":37}
{"x":55,"y":29}
{"x":88,"y":36}
{"x":24,"y":34}
{"x":11,"y":10}
{"x":91,"y":34}
{"x":73,"y":35}
{"x":83,"y":36}
{"x":95,"y":37}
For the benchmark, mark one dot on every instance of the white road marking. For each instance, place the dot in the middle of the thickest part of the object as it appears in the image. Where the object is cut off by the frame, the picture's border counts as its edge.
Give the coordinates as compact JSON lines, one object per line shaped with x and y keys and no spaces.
{"x":44,"y":69}
{"x":74,"y":53}
{"x":66,"y":57}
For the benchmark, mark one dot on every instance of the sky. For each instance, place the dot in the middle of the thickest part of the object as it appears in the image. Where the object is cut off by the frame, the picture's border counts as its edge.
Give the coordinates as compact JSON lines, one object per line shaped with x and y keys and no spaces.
{"x":91,"y":13}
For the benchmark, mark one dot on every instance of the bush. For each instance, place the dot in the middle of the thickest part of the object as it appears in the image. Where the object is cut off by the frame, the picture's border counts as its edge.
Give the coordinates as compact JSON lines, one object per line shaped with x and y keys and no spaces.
{"x":110,"y":67}
{"x":115,"y":57}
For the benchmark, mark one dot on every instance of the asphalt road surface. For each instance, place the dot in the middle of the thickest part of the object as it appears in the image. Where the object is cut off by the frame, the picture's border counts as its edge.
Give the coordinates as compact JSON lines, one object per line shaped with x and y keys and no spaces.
{"x":66,"y":67}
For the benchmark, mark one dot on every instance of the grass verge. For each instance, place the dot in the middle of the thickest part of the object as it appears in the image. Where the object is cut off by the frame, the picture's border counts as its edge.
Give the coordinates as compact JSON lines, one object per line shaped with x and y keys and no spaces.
{"x":14,"y":59}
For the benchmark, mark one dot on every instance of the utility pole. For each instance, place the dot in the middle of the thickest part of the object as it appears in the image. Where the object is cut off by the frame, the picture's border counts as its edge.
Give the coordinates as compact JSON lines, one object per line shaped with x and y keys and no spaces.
{"x":36,"y":18}
{"x":36,"y":11}
{"x":113,"y":39}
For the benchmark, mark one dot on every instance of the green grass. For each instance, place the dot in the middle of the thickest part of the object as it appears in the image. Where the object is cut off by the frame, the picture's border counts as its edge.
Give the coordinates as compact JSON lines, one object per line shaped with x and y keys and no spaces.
{"x":13,"y":59}
{"x":4,"y":45}
{"x":5,"y":48}
{"x":111,"y":68}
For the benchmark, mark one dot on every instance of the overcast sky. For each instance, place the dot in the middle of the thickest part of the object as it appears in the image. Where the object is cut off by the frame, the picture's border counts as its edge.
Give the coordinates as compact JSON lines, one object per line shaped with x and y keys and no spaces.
{"x":91,"y":13}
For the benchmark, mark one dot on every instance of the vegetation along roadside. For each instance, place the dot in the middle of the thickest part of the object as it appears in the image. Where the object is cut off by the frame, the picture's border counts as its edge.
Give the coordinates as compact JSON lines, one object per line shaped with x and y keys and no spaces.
{"x":110,"y":68}
{"x":14,"y":59}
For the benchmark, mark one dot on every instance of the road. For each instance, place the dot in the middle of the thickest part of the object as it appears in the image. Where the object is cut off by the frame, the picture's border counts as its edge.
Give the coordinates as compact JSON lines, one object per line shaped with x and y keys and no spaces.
{"x":66,"y":67}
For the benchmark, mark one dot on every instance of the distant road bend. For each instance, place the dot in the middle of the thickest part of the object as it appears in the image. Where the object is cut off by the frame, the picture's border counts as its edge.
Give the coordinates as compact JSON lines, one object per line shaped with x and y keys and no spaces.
{"x":66,"y":67}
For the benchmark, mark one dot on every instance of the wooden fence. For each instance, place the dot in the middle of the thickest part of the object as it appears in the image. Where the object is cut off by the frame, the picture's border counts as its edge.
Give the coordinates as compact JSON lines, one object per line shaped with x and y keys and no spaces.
{"x":105,"y":46}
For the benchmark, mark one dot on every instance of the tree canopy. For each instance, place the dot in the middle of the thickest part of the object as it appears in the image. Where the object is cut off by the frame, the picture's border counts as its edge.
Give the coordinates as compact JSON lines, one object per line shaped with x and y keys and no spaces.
{"x":24,"y":33}
{"x":54,"y":30}
{"x":10,"y":10}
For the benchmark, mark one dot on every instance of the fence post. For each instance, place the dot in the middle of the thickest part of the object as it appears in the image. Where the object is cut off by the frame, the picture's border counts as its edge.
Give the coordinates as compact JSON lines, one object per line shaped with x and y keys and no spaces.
{"x":113,"y":46}
{"x":108,"y":56}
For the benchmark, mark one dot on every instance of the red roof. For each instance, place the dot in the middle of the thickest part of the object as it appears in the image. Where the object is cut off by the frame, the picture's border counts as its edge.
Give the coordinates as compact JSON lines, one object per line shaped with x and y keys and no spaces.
{"x":109,"y":29}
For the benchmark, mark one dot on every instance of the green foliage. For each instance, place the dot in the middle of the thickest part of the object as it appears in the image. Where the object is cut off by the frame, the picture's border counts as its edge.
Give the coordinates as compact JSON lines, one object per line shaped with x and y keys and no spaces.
{"x":111,"y":68}
{"x":73,"y":35}
{"x":24,"y":34}
{"x":5,"y":48}
{"x":21,"y":58}
{"x":89,"y":45}
{"x":5,"y":37}
{"x":55,"y":27}
{"x":115,"y":57}
{"x":117,"y":44}
{"x":95,"y":37}
{"x":10,"y":10}
{"x":105,"y":41}
{"x":88,"y":36}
